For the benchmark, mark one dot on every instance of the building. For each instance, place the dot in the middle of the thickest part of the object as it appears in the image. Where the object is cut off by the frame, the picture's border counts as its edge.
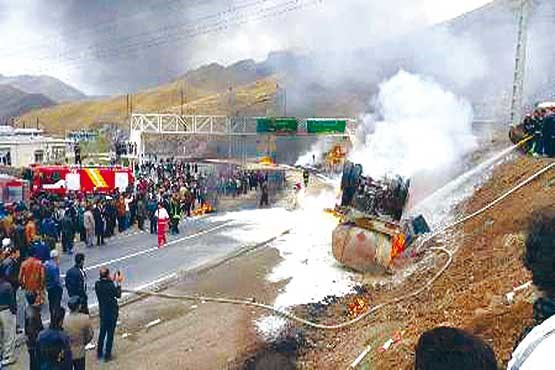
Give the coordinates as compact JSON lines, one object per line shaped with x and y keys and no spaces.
{"x":21,"y":147}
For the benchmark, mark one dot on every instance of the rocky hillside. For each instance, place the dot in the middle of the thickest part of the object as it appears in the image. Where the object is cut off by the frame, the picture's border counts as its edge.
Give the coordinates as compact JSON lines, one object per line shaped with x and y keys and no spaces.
{"x":50,"y":87}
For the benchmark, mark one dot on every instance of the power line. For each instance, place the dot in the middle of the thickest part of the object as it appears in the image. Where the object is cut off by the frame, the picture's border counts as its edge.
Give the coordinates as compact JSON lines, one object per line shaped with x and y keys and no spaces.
{"x":110,"y":41}
{"x":185,"y":31}
{"x":106,"y":25}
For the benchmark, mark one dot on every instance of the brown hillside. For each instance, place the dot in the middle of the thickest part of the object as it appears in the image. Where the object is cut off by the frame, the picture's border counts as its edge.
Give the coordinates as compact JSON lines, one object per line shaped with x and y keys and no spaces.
{"x":252,"y":99}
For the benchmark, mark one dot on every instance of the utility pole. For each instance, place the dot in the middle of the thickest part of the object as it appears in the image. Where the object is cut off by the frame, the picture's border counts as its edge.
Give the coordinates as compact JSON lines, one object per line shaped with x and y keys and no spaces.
{"x":182,"y":101}
{"x":230,"y":104}
{"x":284,"y":102}
{"x":520,"y":62}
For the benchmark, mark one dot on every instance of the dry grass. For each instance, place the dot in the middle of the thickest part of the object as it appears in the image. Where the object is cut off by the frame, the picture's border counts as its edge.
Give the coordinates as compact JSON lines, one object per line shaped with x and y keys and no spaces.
{"x":249,"y":99}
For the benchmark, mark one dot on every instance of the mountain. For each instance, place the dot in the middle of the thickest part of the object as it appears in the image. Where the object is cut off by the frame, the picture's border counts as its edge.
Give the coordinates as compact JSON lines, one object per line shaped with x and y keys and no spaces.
{"x":50,"y":87}
{"x":472,"y":55}
{"x":249,"y":99}
{"x":14,"y":102}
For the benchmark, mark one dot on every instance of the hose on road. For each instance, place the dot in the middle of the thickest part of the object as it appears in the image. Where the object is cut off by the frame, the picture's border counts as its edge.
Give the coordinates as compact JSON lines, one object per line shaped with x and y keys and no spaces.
{"x":429,"y":283}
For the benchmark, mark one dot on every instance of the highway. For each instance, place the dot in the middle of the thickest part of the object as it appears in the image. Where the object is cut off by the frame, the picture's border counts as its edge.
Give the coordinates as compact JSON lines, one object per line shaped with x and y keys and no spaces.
{"x":201,"y":241}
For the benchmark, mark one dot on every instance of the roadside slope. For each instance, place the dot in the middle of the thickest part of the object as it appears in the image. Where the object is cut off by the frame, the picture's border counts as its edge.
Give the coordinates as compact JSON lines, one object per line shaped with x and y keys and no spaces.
{"x":469,"y":295}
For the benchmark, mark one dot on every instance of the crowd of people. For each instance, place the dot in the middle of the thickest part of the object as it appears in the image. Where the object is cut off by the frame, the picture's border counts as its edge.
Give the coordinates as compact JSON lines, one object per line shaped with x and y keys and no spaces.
{"x":30,"y":278}
{"x":540,"y":125}
{"x":34,"y":235}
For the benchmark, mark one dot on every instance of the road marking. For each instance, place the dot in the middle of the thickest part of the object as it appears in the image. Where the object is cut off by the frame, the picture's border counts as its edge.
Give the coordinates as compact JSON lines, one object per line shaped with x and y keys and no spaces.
{"x":153,"y":249}
{"x":157,"y":281}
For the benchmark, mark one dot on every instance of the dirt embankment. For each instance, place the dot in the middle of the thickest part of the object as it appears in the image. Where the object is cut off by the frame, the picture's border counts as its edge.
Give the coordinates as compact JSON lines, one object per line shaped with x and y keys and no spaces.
{"x":469,"y":295}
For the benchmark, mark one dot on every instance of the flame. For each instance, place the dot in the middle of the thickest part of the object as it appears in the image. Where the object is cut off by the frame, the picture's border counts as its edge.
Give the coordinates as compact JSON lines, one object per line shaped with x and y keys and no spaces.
{"x":334,"y":212}
{"x":357,"y":307}
{"x":266,"y":161}
{"x":206,"y":208}
{"x":336,"y":155}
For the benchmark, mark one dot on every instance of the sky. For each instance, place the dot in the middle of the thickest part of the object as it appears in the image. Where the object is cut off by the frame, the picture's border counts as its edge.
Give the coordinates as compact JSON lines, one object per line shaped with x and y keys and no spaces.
{"x":106,"y":47}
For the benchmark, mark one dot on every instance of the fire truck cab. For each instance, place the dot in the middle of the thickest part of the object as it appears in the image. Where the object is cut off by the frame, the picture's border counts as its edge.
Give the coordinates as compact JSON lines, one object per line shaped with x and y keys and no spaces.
{"x":60,"y":180}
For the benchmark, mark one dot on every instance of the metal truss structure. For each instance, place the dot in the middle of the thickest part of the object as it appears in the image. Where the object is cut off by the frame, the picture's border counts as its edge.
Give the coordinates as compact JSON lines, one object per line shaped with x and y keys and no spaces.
{"x":205,"y":125}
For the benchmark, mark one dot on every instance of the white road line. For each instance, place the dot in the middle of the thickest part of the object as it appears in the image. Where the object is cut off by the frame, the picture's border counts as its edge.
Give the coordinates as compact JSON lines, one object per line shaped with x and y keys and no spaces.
{"x":153,"y":249}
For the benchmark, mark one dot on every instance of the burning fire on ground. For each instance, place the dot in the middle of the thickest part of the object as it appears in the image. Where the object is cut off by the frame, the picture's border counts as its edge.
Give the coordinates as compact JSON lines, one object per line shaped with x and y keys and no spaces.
{"x":357,"y":307}
{"x":204,"y":209}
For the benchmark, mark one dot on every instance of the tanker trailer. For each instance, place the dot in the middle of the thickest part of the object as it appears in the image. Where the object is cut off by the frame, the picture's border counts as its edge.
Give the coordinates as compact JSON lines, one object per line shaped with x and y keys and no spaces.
{"x":372,"y":232}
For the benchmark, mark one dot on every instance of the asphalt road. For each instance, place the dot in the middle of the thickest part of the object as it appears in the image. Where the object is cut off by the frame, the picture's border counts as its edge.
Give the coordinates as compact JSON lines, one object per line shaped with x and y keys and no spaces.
{"x":201,"y":241}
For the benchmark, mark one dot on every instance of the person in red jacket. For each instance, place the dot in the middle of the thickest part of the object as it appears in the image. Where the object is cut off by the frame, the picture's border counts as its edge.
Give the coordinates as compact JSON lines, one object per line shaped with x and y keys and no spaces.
{"x":163,"y":218}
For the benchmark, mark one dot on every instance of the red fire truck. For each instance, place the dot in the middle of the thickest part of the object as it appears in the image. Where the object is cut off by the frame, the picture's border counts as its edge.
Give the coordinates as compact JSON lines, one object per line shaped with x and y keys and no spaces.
{"x":13,"y":190}
{"x":60,"y":180}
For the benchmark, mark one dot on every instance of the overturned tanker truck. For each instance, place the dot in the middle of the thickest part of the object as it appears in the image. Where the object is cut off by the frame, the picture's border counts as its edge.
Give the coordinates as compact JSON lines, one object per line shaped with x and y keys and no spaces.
{"x":372,"y":232}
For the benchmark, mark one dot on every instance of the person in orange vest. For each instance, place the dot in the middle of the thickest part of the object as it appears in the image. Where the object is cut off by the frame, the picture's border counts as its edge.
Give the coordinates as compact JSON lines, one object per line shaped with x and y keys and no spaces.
{"x":163,"y":218}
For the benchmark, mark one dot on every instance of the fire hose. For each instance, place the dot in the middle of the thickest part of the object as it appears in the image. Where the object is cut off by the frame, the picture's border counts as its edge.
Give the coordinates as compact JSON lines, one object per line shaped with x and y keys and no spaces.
{"x":290,"y":316}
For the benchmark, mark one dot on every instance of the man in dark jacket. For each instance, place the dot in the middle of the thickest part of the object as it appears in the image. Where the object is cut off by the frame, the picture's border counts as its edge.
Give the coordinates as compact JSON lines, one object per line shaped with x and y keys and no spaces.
{"x":33,"y":326}
{"x":108,"y":290}
{"x":99,"y":222}
{"x":141,"y":213}
{"x":68,"y":231}
{"x":49,"y":231}
{"x":19,"y":238}
{"x":76,"y":282}
{"x":53,"y":347}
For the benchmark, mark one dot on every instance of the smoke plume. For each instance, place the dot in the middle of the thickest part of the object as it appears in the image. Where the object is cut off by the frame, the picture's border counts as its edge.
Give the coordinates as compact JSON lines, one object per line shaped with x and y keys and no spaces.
{"x":417,"y":126}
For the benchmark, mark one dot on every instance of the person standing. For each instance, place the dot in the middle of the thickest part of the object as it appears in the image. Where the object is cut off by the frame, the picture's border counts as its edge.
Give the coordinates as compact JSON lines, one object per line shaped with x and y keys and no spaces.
{"x":32,"y":277}
{"x":120,"y":207}
{"x":99,"y":222}
{"x":30,"y":230}
{"x":151,"y":208}
{"x":76,"y":282}
{"x":68,"y":232}
{"x":10,"y":268}
{"x":33,"y":326}
{"x":89,"y":224}
{"x":7,"y":319}
{"x":264,"y":197}
{"x":108,"y":290}
{"x":141,"y":213}
{"x":53,"y":349}
{"x":162,"y":217}
{"x":53,"y":282}
{"x":175,"y":214}
{"x":79,"y":330}
{"x":49,"y":231}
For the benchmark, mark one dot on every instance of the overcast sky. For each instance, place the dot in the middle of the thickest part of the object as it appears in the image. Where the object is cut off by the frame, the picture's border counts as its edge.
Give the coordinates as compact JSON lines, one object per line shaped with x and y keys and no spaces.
{"x":109,"y":46}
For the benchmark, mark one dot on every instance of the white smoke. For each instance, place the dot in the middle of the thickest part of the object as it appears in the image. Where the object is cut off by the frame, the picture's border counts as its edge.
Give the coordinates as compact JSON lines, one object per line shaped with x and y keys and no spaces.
{"x":423,"y":127}
{"x":315,"y":154}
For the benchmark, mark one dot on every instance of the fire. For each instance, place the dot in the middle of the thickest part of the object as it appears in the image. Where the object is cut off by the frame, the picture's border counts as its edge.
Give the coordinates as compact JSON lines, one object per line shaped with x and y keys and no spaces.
{"x":206,"y":208}
{"x":334,"y":212}
{"x":336,"y":155}
{"x":357,"y":307}
{"x":266,"y":161}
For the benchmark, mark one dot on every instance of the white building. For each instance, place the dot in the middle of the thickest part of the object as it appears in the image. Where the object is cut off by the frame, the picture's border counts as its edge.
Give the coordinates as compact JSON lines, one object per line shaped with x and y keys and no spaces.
{"x":21,"y":147}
